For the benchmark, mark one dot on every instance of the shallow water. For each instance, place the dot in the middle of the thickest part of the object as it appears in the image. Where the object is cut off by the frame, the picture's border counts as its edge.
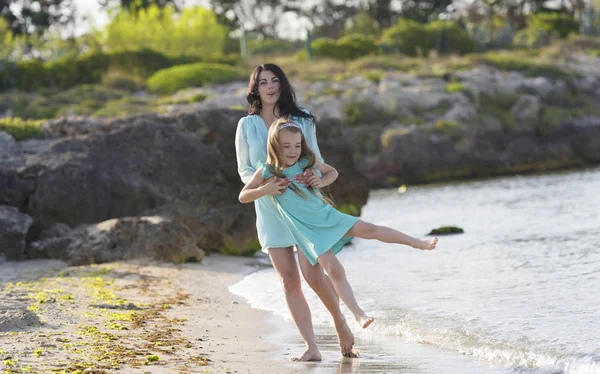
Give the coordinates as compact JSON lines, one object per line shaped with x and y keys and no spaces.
{"x":517,"y":292}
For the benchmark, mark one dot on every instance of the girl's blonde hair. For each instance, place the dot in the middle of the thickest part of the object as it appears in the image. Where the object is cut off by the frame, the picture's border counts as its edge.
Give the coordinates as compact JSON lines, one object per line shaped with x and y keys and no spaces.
{"x":276,"y":165}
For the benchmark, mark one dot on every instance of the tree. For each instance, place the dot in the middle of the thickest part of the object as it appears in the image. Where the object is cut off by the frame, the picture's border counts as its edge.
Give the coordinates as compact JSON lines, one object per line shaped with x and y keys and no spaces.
{"x":382,"y":11}
{"x":136,"y":5}
{"x":424,"y":10}
{"x":194,"y":31}
{"x":36,"y":16}
{"x":260,"y":16}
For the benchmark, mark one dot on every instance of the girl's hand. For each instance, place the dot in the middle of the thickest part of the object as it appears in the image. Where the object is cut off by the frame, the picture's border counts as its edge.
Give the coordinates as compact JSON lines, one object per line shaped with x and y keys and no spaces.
{"x":315,"y":182}
{"x":304,"y":178}
{"x":275,"y":186}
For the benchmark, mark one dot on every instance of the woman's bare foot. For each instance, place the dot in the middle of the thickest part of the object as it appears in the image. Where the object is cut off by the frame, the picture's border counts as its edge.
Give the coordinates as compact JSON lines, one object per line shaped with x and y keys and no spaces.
{"x":311,"y":354}
{"x":364,"y":320}
{"x":427,"y":245}
{"x":346,"y":338}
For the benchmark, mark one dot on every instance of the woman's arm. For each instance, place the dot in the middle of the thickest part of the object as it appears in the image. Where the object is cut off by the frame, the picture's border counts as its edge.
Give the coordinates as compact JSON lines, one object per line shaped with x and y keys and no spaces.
{"x":242,"y":152}
{"x":311,"y":137}
{"x":256,"y":188}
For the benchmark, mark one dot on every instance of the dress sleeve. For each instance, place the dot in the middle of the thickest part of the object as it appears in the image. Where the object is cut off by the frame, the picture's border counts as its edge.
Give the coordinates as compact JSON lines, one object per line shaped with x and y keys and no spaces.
{"x":311,"y":137}
{"x":242,"y":151}
{"x":266,"y":172}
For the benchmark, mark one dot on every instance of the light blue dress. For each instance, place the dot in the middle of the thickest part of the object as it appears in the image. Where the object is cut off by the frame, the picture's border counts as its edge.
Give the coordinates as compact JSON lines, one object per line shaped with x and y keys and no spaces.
{"x":316,"y":225}
{"x":251,"y":149}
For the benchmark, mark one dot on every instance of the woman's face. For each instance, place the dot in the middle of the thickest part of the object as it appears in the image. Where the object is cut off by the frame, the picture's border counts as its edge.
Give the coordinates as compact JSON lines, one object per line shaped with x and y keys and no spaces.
{"x":268,"y":88}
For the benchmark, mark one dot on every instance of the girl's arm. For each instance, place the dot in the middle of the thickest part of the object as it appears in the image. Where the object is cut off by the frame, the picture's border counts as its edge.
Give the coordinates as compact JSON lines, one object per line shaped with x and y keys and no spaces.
{"x":329,"y":175}
{"x":256,"y":188}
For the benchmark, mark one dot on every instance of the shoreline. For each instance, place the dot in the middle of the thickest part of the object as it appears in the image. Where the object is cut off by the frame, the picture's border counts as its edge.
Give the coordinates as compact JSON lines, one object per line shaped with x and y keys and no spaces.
{"x":133,"y":317}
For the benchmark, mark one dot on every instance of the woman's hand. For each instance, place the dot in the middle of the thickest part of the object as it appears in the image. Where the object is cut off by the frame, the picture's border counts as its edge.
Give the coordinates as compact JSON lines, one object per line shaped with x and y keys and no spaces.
{"x":275,"y":186}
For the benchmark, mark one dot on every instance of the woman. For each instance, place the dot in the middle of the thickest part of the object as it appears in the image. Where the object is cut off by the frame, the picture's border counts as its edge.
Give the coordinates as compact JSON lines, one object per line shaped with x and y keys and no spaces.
{"x":271,"y":96}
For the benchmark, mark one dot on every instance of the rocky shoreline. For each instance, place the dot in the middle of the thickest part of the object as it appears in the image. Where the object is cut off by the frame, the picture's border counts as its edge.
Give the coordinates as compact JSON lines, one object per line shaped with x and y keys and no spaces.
{"x":165,"y":186}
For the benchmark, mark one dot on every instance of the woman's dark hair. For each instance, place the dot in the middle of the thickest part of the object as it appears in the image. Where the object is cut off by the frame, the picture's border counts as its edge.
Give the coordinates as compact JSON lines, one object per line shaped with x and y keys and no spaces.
{"x":287,"y":104}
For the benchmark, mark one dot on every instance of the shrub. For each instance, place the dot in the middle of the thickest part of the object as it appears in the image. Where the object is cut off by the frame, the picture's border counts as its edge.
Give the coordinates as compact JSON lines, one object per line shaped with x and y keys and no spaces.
{"x":448,"y":128}
{"x":453,"y":87}
{"x":449,"y":37}
{"x":325,"y":47}
{"x":272,"y":46}
{"x":532,"y":38}
{"x":554,"y":23}
{"x":346,"y":48}
{"x":193,"y":75}
{"x":414,"y":39}
{"x":526,"y":65}
{"x":67,"y":72}
{"x":21,"y":129}
{"x":407,"y":37}
{"x":356,"y":45}
{"x":122,"y":81}
{"x":374,"y":75}
{"x":388,"y":135}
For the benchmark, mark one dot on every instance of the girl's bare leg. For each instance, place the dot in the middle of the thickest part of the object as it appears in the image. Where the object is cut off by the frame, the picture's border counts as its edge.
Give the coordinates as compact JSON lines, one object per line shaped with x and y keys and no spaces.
{"x":366,"y":230}
{"x":321,"y":284}
{"x":284,"y":263}
{"x":337,"y":274}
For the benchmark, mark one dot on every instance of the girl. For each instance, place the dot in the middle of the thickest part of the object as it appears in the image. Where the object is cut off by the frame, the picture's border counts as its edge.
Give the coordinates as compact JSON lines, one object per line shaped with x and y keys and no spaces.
{"x":319,"y":229}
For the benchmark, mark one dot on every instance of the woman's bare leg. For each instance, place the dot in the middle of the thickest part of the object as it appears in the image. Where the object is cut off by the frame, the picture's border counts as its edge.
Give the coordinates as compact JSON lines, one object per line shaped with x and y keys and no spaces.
{"x":321,"y":284}
{"x":366,"y":230}
{"x":284,"y":263}
{"x":337,"y":274}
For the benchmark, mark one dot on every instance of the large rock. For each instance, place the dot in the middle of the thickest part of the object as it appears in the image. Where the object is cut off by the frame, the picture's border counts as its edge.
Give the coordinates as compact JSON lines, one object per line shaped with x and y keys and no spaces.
{"x":154,"y":238}
{"x":8,"y":146}
{"x":134,"y":168}
{"x":527,"y":111}
{"x":419,"y":157}
{"x":178,"y":167}
{"x":14,"y":189}
{"x":13,"y":231}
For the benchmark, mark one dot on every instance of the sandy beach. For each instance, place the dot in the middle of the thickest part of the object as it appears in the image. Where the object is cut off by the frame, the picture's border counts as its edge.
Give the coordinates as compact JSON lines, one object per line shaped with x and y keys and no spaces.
{"x":133,"y":317}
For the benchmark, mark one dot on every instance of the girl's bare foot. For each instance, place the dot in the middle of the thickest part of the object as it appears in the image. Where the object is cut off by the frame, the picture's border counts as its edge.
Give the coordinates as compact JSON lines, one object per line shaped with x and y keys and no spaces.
{"x":311,"y":354}
{"x":364,"y":320}
{"x":346,"y":339}
{"x":352,"y":354}
{"x":427,"y":245}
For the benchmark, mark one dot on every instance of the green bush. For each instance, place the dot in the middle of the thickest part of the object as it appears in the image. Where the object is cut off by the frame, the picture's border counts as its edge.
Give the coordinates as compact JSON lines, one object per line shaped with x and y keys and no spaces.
{"x":356,"y":45}
{"x":324,"y":47}
{"x":374,"y":75}
{"x":122,"y":81}
{"x":407,"y":37}
{"x":532,"y":38}
{"x":67,"y":72}
{"x":527,"y":65}
{"x":346,"y":48}
{"x":449,"y":37}
{"x":453,"y":87}
{"x":193,"y":75}
{"x":395,"y":132}
{"x":21,"y":129}
{"x":414,"y":39}
{"x":554,"y":23}
{"x":448,"y":128}
{"x":272,"y":46}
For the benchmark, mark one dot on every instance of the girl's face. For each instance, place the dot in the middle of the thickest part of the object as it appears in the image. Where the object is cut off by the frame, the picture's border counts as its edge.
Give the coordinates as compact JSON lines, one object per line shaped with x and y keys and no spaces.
{"x":290,"y":147}
{"x":268,"y":87}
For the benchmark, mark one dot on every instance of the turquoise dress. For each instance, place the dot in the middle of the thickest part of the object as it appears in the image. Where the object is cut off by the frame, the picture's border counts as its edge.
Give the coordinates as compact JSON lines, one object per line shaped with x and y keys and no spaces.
{"x":315,"y":225}
{"x":251,"y":149}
